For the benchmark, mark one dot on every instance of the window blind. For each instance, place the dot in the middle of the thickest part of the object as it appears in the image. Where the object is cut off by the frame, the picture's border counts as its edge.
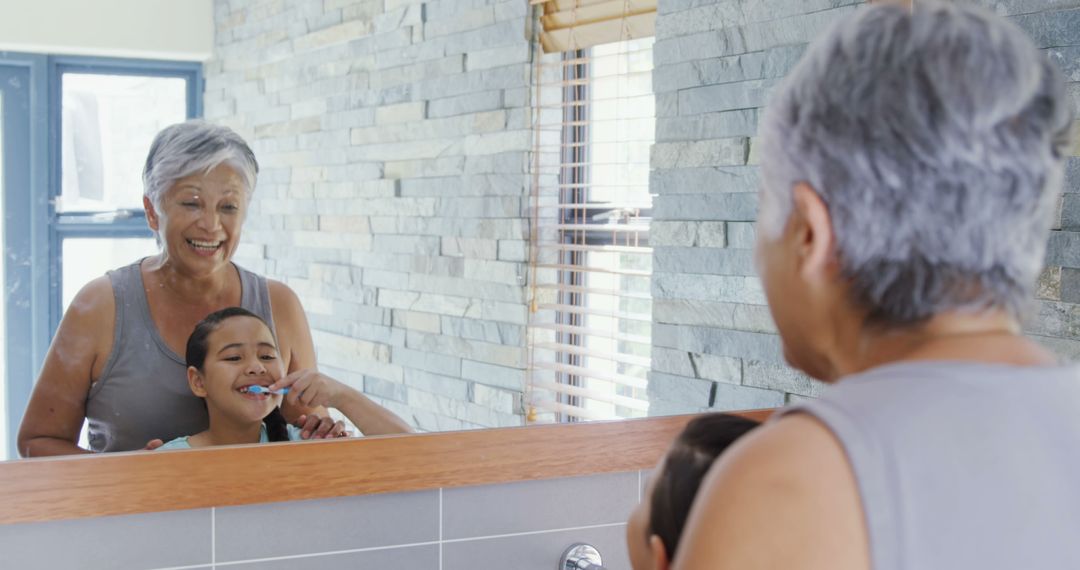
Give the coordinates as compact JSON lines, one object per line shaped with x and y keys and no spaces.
{"x":568,"y":25}
{"x":590,"y":311}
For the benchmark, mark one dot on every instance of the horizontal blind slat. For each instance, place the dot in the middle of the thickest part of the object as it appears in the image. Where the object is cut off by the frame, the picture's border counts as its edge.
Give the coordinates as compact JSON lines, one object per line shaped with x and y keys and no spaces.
{"x":621,"y":379}
{"x":595,"y":291}
{"x":567,"y":409}
{"x":595,"y":248}
{"x":571,"y":390}
{"x":596,"y":312}
{"x":628,"y":228}
{"x":596,"y":205}
{"x":589,"y":269}
{"x":580,"y":351}
{"x":585,"y":331}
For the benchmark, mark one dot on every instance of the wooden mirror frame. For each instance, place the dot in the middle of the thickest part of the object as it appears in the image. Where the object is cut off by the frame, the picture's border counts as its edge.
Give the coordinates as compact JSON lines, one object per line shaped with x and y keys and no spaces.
{"x":56,"y":488}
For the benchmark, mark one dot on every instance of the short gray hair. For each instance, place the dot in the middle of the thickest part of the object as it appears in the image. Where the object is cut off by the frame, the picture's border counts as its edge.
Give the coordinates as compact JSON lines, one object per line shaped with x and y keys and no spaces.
{"x":191,"y":147}
{"x":936,"y":136}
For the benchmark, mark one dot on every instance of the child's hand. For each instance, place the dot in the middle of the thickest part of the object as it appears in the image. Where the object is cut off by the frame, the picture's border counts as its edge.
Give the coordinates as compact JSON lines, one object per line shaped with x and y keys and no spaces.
{"x":312,"y":389}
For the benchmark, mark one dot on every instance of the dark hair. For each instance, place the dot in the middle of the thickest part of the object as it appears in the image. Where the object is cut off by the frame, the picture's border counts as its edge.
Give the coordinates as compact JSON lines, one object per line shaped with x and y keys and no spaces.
{"x":685,"y":466}
{"x":195,"y":355}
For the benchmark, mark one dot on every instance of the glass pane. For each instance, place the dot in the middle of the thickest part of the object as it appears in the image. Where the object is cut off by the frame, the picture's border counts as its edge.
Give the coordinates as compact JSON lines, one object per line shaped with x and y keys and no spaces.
{"x":109,"y":122}
{"x":86,"y":259}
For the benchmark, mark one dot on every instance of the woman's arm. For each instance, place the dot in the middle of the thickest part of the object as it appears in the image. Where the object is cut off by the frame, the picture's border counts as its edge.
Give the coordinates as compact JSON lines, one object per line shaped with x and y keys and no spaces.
{"x":369,"y":417}
{"x":294,"y":339}
{"x":312,"y":388}
{"x":57,"y":408}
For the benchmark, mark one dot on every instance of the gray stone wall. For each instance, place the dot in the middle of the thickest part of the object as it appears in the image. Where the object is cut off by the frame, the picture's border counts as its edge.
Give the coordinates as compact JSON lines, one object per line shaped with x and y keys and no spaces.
{"x":394,"y":139}
{"x":714,"y":345}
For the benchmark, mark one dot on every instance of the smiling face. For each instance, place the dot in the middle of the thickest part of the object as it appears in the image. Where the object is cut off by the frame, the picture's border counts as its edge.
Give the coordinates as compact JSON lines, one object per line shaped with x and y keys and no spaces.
{"x":199,"y":218}
{"x":241,"y":352}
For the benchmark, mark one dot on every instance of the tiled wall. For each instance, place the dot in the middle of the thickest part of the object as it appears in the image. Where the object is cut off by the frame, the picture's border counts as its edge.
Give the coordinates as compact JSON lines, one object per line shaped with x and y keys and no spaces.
{"x":523,"y":526}
{"x":715,"y":62}
{"x":394,"y":139}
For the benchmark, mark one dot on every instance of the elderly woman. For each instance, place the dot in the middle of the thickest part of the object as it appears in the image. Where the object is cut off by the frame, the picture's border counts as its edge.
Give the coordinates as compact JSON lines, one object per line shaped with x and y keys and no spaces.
{"x":115,"y":360}
{"x":911,"y":165}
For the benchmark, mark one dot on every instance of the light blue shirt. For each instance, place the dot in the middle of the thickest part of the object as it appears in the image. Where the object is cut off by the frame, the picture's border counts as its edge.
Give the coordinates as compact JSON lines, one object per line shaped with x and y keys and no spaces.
{"x":182,"y":442}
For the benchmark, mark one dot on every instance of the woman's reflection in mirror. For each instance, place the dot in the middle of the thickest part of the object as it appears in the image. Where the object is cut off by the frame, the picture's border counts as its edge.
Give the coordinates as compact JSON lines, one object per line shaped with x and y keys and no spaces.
{"x":115,"y":360}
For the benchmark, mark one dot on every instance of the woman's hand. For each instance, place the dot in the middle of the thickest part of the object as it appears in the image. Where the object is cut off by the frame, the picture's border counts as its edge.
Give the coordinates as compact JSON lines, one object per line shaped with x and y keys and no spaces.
{"x":318,"y":427}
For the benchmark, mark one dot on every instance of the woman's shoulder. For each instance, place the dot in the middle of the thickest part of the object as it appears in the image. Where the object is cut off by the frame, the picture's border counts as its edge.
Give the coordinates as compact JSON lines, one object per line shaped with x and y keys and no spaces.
{"x":93,"y":304}
{"x":98,"y":296}
{"x":287,"y":310}
{"x":788,"y":478}
{"x":281,"y":295}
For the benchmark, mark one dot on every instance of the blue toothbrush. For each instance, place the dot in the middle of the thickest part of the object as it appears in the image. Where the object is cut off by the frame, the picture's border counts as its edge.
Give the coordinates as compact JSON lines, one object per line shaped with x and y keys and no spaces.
{"x":265,"y":390}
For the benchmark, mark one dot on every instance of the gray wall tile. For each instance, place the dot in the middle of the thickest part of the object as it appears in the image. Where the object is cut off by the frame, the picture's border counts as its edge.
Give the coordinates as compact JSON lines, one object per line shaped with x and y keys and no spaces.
{"x":715,"y":62}
{"x":424,"y":557}
{"x":538,"y":505}
{"x":536,"y":551}
{"x":646,"y":475}
{"x":179,"y":538}
{"x":311,"y":527}
{"x":394,"y":148}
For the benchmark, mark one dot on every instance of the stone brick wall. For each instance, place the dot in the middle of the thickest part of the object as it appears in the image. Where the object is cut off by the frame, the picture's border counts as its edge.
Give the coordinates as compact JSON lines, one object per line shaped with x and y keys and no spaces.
{"x":714,"y":345}
{"x":394,"y":140}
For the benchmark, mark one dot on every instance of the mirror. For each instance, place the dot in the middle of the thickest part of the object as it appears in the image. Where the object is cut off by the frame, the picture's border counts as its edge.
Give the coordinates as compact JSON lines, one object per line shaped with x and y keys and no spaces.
{"x":481,"y":234}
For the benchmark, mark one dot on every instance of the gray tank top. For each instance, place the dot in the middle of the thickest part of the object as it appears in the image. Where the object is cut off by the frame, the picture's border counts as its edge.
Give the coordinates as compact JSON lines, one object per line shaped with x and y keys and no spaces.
{"x":142,"y":393}
{"x":963,"y":465}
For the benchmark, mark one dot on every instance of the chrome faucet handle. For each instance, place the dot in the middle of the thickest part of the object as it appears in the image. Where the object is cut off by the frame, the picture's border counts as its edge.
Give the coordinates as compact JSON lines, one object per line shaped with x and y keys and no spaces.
{"x":581,"y":556}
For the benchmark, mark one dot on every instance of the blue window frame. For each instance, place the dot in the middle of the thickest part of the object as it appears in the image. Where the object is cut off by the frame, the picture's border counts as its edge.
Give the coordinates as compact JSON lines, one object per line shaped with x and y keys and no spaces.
{"x":35,"y":228}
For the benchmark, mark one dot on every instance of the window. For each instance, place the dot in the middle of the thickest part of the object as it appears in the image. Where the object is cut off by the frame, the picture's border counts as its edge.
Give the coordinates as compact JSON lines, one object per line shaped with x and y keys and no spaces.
{"x":107,"y":113}
{"x":73,"y":146}
{"x":590,"y":313}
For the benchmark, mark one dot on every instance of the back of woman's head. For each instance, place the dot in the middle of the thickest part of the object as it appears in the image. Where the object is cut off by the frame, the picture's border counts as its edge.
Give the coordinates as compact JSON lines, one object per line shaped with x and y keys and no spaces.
{"x":936,"y":136}
{"x":685,"y":467}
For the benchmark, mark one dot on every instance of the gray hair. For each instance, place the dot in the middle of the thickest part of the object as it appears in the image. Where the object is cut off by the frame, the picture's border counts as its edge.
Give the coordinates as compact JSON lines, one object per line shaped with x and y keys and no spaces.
{"x":191,"y":147}
{"x":936,"y":138}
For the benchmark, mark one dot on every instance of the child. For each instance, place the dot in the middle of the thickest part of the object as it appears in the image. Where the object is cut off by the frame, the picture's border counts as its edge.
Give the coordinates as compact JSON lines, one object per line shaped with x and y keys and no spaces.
{"x":232,"y":350}
{"x":653,"y":532}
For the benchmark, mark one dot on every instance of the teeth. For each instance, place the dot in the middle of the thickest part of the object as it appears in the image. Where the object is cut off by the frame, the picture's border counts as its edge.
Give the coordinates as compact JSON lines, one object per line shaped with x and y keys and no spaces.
{"x":204,"y":244}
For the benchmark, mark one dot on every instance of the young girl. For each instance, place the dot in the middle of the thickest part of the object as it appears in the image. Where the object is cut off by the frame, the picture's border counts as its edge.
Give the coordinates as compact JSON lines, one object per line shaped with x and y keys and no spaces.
{"x":654,"y":529}
{"x":230,"y":352}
